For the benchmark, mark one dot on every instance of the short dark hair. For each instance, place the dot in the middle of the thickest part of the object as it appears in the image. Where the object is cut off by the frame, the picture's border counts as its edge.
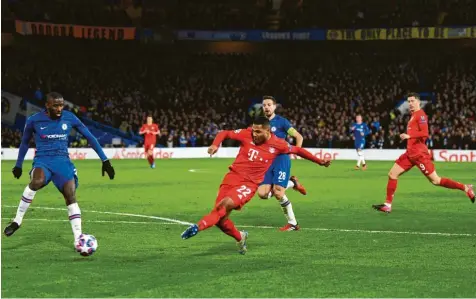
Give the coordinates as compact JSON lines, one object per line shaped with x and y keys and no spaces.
{"x":269,"y":98}
{"x":261,"y":120}
{"x":54,"y":95}
{"x":413,"y":94}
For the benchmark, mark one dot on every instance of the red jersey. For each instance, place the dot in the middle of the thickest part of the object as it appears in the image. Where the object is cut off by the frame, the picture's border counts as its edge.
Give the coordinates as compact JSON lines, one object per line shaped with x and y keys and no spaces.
{"x":253,"y":161}
{"x":418,"y":130}
{"x":150,"y":138}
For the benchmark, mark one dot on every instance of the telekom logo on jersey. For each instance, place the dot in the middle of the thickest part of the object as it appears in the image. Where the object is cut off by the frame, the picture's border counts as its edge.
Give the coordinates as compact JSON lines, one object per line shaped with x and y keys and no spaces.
{"x":252,"y":154}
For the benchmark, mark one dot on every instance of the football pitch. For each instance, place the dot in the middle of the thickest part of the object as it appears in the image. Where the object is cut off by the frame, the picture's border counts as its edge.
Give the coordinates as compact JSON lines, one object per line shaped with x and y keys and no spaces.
{"x":425,"y":248}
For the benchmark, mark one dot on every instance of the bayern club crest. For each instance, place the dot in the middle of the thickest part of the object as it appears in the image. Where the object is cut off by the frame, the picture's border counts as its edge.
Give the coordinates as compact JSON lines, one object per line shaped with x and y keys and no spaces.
{"x":272,"y":150}
{"x":64,"y":126}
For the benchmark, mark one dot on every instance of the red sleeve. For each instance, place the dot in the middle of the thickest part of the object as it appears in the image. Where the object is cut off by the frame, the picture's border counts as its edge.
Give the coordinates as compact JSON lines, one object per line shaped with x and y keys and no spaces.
{"x":305,"y":154}
{"x":228,"y":134}
{"x":422,"y":125}
{"x":286,"y":148}
{"x":156,"y":128}
{"x":142,"y":128}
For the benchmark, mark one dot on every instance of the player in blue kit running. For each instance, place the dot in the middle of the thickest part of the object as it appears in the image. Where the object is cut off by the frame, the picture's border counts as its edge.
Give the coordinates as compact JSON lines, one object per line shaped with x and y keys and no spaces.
{"x":360,"y":130}
{"x":278,"y":177}
{"x":51,"y":128}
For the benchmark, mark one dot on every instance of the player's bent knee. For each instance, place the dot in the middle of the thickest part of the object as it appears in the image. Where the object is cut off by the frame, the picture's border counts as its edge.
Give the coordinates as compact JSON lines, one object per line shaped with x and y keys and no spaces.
{"x":435,"y":181}
{"x":226,"y":202}
{"x":392,"y":175}
{"x":263,"y":191}
{"x":36,"y":184}
{"x":278,"y":192}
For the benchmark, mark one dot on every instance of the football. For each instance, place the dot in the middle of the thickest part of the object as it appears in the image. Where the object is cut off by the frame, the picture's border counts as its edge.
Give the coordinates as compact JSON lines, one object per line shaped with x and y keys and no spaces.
{"x":86,"y":245}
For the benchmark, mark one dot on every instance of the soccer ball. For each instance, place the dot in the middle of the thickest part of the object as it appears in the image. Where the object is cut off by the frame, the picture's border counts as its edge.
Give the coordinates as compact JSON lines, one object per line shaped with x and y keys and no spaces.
{"x":86,"y":245}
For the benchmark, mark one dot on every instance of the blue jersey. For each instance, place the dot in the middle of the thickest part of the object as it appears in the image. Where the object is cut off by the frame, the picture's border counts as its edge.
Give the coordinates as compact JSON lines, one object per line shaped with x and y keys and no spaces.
{"x":280,"y":171}
{"x":51,"y":136}
{"x":280,"y":126}
{"x":358,"y":130}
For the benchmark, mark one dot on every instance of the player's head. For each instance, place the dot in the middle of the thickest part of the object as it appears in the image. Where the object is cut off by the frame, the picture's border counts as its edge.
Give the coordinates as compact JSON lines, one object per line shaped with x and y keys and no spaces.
{"x":358,"y":118}
{"x":149,"y":120}
{"x":269,"y":106}
{"x":54,"y":104}
{"x":260,"y":130}
{"x":413,"y":99}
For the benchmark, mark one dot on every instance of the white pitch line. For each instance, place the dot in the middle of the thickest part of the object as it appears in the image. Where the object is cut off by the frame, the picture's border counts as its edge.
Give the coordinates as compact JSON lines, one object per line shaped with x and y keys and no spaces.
{"x":115,"y":213}
{"x":175,"y":221}
{"x":198,"y":170}
{"x":97,"y":221}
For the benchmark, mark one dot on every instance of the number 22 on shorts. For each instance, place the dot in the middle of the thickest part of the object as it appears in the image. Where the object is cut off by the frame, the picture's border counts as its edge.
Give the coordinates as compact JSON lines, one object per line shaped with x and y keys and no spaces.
{"x":243,"y":191}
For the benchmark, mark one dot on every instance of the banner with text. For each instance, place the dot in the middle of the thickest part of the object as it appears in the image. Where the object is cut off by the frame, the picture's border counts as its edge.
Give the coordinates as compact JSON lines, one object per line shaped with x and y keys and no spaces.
{"x":401,"y":33}
{"x":231,"y":152}
{"x":76,"y":31}
{"x":252,"y":35}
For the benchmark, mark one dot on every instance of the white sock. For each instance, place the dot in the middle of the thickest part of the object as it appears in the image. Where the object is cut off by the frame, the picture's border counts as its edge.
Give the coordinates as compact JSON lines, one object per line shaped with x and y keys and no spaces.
{"x":290,"y":184}
{"x":287,"y":208}
{"x":25,"y":202}
{"x":358,"y":162}
{"x":363,"y":160}
{"x":74,"y":214}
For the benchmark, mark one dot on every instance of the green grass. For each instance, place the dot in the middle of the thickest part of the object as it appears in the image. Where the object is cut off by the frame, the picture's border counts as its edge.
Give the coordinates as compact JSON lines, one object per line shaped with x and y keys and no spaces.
{"x":150,"y":260}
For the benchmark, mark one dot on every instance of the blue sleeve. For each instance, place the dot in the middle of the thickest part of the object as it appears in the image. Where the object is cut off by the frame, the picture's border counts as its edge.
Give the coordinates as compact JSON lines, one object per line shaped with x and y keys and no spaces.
{"x":27,"y":133}
{"x":367,"y":130}
{"x":350,"y":129}
{"x":286,"y":125}
{"x":78,"y":125}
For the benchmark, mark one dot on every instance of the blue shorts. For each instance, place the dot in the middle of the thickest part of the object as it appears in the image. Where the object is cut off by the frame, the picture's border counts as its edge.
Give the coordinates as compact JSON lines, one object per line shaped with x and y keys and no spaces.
{"x":279,"y":172}
{"x":359,"y":146}
{"x":60,"y":170}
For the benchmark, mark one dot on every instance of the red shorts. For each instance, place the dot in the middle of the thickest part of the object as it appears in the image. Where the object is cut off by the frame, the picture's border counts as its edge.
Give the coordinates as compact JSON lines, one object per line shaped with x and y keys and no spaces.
{"x":148,"y":147}
{"x":241,"y":191}
{"x":423,"y":162}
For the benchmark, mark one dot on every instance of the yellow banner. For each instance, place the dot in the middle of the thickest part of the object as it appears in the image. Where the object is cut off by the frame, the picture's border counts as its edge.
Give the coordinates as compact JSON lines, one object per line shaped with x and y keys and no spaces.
{"x":401,"y":33}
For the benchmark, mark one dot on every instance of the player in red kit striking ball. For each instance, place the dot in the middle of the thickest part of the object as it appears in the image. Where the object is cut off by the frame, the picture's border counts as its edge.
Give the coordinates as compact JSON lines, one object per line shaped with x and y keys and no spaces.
{"x":417,"y":154}
{"x":150,"y":130}
{"x":257,"y":151}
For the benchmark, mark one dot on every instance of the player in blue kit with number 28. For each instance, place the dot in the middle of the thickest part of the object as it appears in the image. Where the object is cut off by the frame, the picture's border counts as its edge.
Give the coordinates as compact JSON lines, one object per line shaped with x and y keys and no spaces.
{"x":278,"y":177}
{"x":51,"y":128}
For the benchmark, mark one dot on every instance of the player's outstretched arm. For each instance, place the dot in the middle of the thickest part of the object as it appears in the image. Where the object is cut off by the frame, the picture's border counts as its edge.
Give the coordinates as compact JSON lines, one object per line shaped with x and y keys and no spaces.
{"x":308,"y":156}
{"x":106,"y":164}
{"x":226,"y":134}
{"x":27,"y":133}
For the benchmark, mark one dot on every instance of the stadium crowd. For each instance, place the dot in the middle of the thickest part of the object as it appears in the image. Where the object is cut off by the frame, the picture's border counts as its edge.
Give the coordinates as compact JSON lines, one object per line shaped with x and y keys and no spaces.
{"x":246,"y":14}
{"x":193,"y":96}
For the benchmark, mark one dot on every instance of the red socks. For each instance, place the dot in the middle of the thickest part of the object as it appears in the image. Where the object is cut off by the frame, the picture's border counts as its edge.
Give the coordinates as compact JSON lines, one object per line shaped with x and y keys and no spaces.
{"x":150,"y":159}
{"x":212,"y":218}
{"x":450,"y":184}
{"x":228,"y":227}
{"x":391,"y":188}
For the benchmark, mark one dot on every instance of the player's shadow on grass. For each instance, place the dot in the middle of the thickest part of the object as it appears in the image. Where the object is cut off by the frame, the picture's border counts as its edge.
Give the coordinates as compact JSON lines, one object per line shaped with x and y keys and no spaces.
{"x":25,"y":241}
{"x":226,"y":248}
